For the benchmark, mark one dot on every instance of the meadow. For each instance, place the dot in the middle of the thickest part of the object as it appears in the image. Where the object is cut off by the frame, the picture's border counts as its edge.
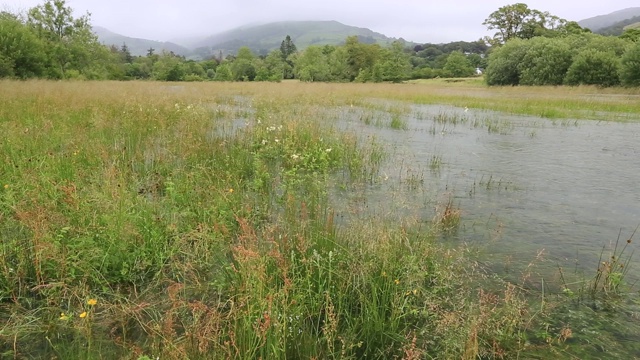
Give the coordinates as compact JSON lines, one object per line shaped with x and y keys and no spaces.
{"x":143,"y":220}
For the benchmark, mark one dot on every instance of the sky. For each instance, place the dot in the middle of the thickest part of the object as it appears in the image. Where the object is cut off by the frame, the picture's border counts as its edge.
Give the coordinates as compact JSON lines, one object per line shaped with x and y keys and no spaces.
{"x":420,"y":21}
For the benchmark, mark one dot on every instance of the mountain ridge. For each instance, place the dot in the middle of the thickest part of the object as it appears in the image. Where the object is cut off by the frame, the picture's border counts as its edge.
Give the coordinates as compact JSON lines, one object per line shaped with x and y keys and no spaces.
{"x":260,"y":38}
{"x":602,"y":21}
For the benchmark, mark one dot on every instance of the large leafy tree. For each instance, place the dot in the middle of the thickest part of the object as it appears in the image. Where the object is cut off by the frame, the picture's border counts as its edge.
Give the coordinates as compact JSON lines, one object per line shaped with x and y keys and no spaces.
{"x":630,"y":66}
{"x":593,"y":67}
{"x":519,"y":21}
{"x":312,"y":65}
{"x":22,"y":54}
{"x":458,"y":65}
{"x":546,"y":62}
{"x":394,"y":64}
{"x":70,"y":43}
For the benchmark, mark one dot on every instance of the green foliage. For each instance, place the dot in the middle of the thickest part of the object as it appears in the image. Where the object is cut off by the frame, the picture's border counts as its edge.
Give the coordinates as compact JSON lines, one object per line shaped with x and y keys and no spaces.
{"x":312,"y":65}
{"x":394,"y":64}
{"x":458,"y":65}
{"x":545,"y":62}
{"x":519,"y":21}
{"x":22,"y":54}
{"x":503,"y":67}
{"x":630,"y":66}
{"x":593,"y":67}
{"x":69,"y":42}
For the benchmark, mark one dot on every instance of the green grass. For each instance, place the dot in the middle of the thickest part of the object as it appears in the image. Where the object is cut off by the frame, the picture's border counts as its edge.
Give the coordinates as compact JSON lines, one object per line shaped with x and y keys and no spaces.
{"x":199,"y":219}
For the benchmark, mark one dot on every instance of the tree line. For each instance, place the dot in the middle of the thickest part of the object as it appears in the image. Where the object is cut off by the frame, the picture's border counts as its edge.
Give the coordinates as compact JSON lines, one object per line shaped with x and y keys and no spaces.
{"x":48,"y":42}
{"x":530,"y":47}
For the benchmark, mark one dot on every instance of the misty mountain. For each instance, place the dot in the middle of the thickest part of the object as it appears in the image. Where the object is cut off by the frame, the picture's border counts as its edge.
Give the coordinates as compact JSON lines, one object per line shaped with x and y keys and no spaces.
{"x":619,"y":27}
{"x":136,"y":46}
{"x":264,"y":38}
{"x":602,"y":21}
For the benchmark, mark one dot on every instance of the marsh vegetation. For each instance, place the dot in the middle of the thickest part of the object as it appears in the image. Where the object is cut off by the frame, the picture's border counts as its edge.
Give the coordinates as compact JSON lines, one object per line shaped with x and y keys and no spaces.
{"x":296,"y":220}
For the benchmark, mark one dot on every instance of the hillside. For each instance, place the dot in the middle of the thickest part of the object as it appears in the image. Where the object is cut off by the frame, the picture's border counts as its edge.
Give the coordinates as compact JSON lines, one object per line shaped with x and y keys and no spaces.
{"x":602,"y":21}
{"x":619,"y":27}
{"x":136,"y":46}
{"x":263,"y":38}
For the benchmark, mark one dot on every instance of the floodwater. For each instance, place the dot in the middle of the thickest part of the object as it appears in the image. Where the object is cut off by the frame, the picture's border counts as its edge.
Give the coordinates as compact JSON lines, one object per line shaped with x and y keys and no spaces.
{"x":529,"y":189}
{"x":537,"y":198}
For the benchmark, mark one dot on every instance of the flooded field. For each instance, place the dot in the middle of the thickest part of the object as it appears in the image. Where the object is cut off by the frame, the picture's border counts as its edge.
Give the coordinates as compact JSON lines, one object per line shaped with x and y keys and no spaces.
{"x":543,"y":201}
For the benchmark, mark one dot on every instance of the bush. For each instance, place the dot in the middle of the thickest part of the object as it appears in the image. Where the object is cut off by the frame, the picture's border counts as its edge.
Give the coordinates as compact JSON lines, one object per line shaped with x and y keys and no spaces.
{"x":503,"y":63}
{"x":593,"y":67}
{"x":545,"y":63}
{"x":630,"y":66}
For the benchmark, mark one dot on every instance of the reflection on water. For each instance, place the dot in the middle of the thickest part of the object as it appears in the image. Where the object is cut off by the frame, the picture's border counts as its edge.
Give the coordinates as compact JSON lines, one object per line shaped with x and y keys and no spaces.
{"x":567,"y":187}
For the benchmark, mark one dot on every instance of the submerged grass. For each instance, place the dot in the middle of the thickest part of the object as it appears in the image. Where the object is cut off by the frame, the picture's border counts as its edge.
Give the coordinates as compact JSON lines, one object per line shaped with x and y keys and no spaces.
{"x":141,"y":219}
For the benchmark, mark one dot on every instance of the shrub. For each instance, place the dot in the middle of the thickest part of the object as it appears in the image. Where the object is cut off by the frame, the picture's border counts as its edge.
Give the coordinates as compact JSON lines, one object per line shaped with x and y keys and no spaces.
{"x":593,"y":67}
{"x":630,"y":66}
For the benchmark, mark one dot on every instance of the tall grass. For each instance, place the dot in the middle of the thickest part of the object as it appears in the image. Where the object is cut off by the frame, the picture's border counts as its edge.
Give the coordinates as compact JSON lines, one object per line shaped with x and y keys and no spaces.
{"x":194,"y":221}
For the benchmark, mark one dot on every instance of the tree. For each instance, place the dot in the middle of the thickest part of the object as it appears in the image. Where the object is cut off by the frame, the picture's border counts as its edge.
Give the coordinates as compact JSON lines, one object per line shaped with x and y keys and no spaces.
{"x":126,"y":54}
{"x":22,"y":54}
{"x":395,"y":65}
{"x":70,"y":43}
{"x":458,"y":65}
{"x":312,"y":65}
{"x":518,"y":21}
{"x":502,"y":68}
{"x":630,"y":66}
{"x":593,"y":67}
{"x":242,"y":66}
{"x":631,"y":34}
{"x":545,"y":62}
{"x":287,"y":50}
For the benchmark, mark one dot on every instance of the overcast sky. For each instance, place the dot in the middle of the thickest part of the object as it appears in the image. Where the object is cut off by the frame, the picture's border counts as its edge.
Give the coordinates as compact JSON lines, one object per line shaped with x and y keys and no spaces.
{"x":414,"y":20}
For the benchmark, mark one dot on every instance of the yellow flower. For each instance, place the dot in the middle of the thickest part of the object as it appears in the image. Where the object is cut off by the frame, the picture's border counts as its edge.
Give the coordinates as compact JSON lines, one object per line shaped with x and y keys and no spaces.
{"x":6,"y":186}
{"x":92,"y":302}
{"x":64,"y":316}
{"x":396,"y":281}
{"x":83,"y":315}
{"x":230,"y":190}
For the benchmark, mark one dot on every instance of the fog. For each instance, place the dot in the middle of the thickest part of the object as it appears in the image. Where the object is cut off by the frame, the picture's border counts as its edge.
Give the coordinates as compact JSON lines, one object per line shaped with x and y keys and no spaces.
{"x":414,"y":20}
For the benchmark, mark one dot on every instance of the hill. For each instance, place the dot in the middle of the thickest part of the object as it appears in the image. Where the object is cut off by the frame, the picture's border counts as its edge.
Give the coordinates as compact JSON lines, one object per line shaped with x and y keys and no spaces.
{"x":264,"y":38}
{"x":602,"y":21}
{"x":619,"y":27}
{"x":136,"y":46}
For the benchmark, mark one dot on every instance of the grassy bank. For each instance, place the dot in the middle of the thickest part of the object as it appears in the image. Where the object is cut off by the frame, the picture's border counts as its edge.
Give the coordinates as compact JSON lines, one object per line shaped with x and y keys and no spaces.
{"x":194,"y":221}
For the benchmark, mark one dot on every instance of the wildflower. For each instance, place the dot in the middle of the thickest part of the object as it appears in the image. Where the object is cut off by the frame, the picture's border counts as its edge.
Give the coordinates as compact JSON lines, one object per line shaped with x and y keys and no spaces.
{"x":92,"y":302}
{"x":64,"y":316}
{"x":328,"y":150}
{"x":396,"y":281}
{"x":6,"y":186}
{"x":277,"y":141}
{"x":295,"y":156}
{"x":230,"y":190}
{"x":83,"y":315}
{"x":264,"y":142}
{"x":415,"y":291}
{"x":384,"y":274}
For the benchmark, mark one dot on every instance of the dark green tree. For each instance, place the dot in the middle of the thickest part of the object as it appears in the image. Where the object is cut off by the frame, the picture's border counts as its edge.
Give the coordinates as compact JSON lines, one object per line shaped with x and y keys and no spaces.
{"x":458,"y":65}
{"x":126,"y":54}
{"x":287,"y":50}
{"x":519,"y":21}
{"x":545,"y":62}
{"x":70,"y":43}
{"x":630,"y":66}
{"x":502,"y":68}
{"x":22,"y":54}
{"x":593,"y":67}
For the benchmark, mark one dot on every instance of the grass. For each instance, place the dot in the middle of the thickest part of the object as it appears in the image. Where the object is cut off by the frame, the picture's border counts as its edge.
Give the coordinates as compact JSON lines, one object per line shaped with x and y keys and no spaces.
{"x":194,"y":221}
